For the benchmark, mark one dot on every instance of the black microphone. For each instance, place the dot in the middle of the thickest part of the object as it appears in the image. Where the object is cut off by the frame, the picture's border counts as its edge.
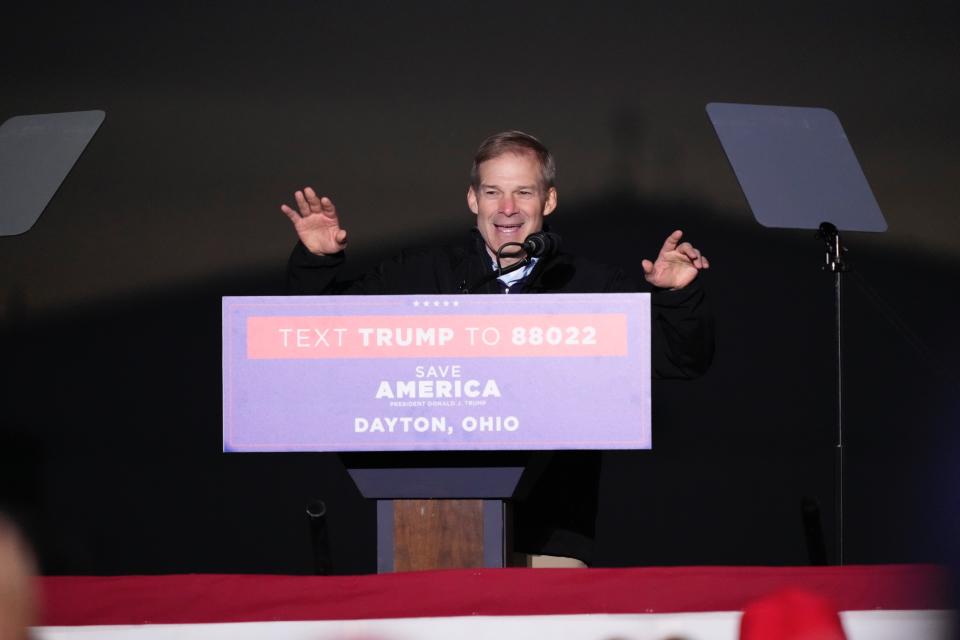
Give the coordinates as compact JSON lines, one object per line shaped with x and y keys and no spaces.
{"x":541,"y":243}
{"x":537,"y":245}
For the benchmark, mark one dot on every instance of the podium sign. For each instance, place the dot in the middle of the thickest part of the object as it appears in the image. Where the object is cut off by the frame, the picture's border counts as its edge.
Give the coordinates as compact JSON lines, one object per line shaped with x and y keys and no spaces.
{"x":436,"y":373}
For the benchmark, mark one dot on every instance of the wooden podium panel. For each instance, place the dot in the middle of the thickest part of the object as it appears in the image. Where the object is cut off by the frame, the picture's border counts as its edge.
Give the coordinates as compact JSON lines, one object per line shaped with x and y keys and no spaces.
{"x":435,"y":534}
{"x":424,"y":534}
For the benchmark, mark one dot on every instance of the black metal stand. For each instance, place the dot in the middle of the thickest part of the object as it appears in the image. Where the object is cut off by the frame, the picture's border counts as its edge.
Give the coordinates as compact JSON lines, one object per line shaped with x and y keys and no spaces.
{"x":796,"y":168}
{"x":835,"y":263}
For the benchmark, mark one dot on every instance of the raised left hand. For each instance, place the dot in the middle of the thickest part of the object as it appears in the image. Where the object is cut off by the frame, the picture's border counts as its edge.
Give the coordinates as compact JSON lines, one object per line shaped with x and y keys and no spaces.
{"x":677,"y":265}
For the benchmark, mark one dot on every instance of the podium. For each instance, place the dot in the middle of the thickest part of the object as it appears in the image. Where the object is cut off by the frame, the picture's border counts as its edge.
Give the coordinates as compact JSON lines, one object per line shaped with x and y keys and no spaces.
{"x":443,"y":409}
{"x":443,"y":510}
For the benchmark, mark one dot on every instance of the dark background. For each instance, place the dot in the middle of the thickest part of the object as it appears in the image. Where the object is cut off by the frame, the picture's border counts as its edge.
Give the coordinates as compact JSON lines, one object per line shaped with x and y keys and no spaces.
{"x":110,"y":306}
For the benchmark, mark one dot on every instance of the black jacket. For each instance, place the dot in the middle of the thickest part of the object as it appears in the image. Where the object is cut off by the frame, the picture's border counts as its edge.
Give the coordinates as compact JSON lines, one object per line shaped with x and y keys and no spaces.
{"x":681,"y":324}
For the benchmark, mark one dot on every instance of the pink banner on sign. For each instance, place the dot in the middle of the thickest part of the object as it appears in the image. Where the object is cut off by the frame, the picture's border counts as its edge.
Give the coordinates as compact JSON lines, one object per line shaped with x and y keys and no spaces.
{"x":499,"y":336}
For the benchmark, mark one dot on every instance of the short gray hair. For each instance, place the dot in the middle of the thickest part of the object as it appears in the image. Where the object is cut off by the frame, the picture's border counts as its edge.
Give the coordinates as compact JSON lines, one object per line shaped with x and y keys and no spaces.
{"x":514,"y":142}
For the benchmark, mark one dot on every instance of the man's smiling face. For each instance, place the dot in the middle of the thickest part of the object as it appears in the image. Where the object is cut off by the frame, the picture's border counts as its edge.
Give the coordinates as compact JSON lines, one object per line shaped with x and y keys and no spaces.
{"x":511,"y":200}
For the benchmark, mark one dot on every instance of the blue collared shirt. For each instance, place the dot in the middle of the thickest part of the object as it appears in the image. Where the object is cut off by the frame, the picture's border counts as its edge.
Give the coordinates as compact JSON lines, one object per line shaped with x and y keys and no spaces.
{"x":513,"y":277}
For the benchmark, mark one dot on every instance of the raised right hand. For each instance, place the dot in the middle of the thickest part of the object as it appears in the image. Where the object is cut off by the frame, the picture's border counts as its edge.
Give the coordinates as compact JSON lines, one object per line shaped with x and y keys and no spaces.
{"x":316,"y":223}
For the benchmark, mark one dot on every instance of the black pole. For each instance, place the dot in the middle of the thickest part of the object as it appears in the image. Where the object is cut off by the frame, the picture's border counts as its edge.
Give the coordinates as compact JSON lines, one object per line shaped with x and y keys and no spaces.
{"x":836,"y":264}
{"x":317,"y":515}
{"x":839,"y":446}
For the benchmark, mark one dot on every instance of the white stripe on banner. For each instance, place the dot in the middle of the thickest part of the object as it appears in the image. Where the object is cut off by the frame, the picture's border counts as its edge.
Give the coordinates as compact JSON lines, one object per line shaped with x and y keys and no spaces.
{"x":720,"y":625}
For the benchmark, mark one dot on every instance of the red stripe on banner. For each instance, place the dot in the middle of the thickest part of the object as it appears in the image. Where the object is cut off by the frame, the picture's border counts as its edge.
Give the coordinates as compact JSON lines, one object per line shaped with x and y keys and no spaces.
{"x":484,"y":336}
{"x":247,"y":598}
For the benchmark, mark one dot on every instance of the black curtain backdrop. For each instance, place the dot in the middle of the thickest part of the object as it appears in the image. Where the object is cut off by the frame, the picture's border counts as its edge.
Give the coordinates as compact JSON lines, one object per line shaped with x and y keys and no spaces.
{"x":110,"y":306}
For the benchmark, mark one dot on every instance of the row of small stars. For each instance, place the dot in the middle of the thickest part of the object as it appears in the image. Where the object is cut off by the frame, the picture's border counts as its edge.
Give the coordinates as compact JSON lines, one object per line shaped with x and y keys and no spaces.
{"x":436,"y":303}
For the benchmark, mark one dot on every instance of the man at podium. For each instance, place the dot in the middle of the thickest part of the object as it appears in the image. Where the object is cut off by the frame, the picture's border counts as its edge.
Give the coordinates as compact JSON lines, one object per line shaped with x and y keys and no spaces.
{"x":511,"y":191}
